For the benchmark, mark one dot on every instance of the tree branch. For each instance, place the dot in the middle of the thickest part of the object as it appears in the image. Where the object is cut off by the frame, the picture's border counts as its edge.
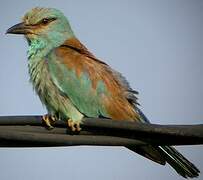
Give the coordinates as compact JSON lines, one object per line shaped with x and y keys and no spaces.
{"x":27,"y":131}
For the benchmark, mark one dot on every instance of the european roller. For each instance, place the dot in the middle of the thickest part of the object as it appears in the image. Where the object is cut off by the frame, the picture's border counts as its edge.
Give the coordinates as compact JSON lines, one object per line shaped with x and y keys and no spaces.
{"x":72,"y":83}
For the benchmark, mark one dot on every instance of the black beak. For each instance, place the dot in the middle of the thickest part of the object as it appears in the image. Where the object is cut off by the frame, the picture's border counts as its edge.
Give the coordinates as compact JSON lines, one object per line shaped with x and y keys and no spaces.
{"x":20,"y":28}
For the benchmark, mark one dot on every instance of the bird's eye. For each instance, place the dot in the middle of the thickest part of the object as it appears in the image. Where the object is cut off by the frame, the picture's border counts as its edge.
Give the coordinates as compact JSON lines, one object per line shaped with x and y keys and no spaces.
{"x":45,"y":21}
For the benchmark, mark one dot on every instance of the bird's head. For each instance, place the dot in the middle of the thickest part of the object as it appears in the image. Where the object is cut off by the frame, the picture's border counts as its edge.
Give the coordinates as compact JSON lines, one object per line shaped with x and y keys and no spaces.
{"x":47,"y":25}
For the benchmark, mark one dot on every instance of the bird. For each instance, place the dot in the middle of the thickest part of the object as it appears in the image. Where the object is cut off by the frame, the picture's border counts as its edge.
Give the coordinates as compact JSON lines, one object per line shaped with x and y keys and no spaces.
{"x":73,"y":83}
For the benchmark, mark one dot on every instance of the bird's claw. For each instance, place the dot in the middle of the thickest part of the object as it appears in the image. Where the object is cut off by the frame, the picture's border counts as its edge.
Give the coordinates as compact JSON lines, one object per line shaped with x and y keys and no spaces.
{"x":74,"y":126}
{"x":48,"y":120}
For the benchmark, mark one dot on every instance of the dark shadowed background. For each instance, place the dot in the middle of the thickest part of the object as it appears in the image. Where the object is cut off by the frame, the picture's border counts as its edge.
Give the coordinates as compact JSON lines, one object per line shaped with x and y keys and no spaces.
{"x":156,"y":44}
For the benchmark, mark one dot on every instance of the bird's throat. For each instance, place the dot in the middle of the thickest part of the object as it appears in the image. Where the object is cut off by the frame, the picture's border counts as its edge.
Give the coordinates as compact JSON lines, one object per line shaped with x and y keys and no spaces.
{"x":37,"y":49}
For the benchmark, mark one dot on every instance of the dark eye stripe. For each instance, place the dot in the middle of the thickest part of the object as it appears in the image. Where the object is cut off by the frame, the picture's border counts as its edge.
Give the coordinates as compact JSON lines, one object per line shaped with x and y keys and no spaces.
{"x":46,"y":21}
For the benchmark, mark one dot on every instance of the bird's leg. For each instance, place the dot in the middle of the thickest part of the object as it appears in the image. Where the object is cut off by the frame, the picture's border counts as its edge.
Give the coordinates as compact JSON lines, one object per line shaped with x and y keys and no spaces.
{"x":49,"y":120}
{"x":74,"y":125}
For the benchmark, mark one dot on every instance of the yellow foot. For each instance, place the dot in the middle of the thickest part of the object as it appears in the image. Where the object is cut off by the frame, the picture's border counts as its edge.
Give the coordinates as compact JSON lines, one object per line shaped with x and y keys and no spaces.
{"x":74,"y":126}
{"x":48,"y":120}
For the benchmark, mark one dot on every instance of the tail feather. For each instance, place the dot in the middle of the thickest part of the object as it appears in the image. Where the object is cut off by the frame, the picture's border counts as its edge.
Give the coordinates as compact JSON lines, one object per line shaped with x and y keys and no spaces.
{"x":150,"y":152}
{"x":182,"y":166}
{"x":163,"y":154}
